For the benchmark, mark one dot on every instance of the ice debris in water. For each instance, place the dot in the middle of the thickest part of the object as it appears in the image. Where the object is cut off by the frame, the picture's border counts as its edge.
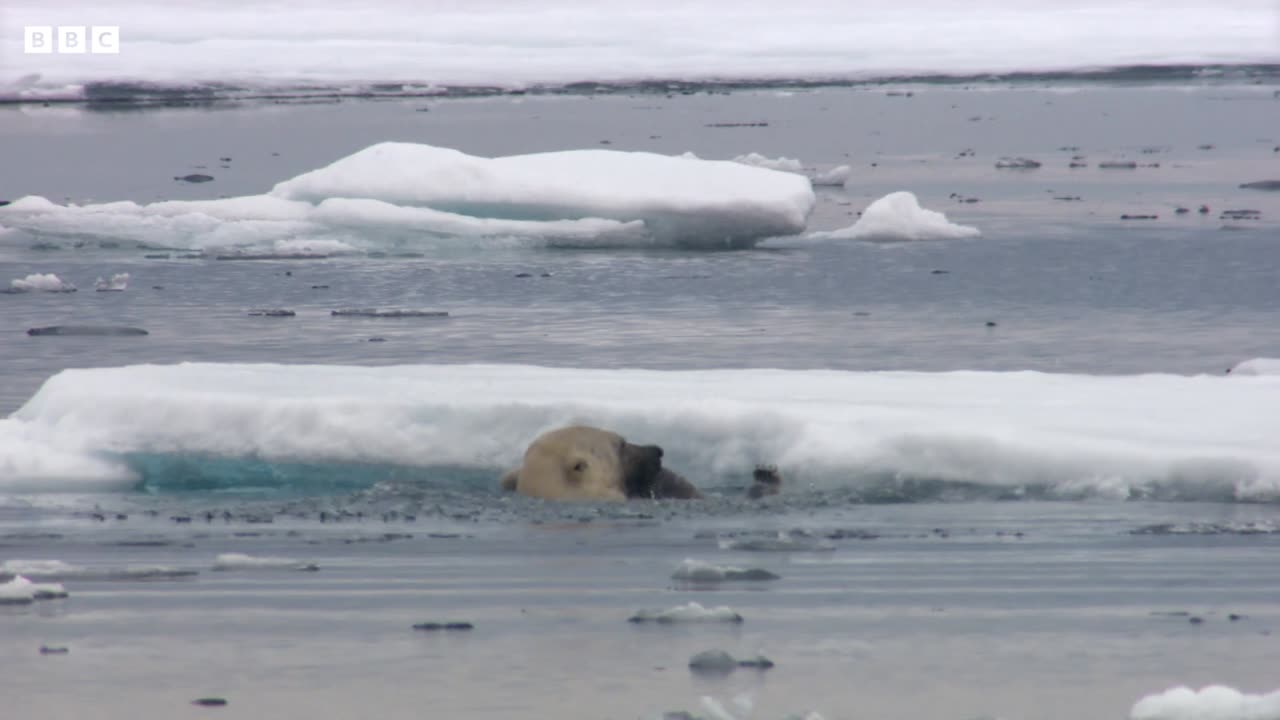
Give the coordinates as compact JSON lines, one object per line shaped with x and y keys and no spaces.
{"x":241,"y":561}
{"x":783,"y":542}
{"x":720,"y":661}
{"x":1214,"y":702}
{"x":836,"y":176}
{"x":898,"y":217}
{"x":704,"y":572}
{"x":118,"y":283}
{"x":376,"y":313}
{"x":21,"y":591}
{"x":692,"y":612}
{"x":1017,"y":163}
{"x":784,"y":164}
{"x":40,"y":282}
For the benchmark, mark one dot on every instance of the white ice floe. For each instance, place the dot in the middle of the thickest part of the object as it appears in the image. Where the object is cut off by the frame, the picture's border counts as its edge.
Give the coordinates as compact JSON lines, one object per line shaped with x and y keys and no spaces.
{"x":784,"y":164}
{"x":118,"y":283}
{"x":240,"y":561}
{"x":412,"y":193}
{"x":898,"y":217}
{"x":512,"y":43}
{"x":20,"y":591}
{"x":1257,"y":366}
{"x":1215,"y":702}
{"x":1117,"y":436}
{"x":690,"y":613}
{"x":41,"y":282}
{"x":698,"y":571}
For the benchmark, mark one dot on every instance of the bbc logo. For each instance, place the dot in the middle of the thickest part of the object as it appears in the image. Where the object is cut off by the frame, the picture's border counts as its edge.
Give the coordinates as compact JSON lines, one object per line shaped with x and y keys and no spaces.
{"x":71,"y":39}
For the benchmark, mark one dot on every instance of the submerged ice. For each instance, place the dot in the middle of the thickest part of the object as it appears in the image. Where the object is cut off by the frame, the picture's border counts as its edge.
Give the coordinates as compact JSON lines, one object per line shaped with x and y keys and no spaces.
{"x":413,"y":193}
{"x":1069,"y":435}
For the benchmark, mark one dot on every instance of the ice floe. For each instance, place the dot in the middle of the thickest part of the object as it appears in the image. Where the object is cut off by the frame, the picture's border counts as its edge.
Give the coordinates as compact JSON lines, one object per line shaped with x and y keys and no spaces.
{"x":690,"y":613}
{"x":20,"y":591}
{"x":40,"y":282}
{"x":1214,"y":702}
{"x":698,"y":571}
{"x":898,"y":217}
{"x":118,"y":283}
{"x":1257,"y":366}
{"x":406,"y":192}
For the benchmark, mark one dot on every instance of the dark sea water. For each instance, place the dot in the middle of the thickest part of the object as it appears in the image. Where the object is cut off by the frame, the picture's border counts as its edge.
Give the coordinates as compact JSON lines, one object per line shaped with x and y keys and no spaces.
{"x":903,"y":596}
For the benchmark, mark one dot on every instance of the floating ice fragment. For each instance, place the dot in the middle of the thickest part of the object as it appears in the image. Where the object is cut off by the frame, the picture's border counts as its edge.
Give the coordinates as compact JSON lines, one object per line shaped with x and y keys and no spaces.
{"x":836,"y":176}
{"x":784,"y":542}
{"x":241,"y":561}
{"x":784,"y":164}
{"x":38,"y":282}
{"x":1214,"y":702}
{"x":898,"y":217}
{"x":693,"y":612}
{"x":87,"y":330}
{"x":1017,"y":163}
{"x":118,"y":283}
{"x":703,"y":572}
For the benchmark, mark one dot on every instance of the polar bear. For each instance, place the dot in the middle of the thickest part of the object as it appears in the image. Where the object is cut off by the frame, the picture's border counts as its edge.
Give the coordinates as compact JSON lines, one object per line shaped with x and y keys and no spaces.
{"x":580,"y":462}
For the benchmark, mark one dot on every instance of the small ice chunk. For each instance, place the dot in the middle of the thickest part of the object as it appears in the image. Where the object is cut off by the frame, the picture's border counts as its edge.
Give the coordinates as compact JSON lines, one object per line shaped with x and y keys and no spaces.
{"x":18,"y":591}
{"x":1214,"y":702}
{"x":40,"y":282}
{"x":784,"y":164}
{"x":87,"y":330}
{"x":241,"y":561}
{"x":118,"y":283}
{"x":1017,"y":163}
{"x":898,"y":217}
{"x":719,"y":661}
{"x":693,"y":612}
{"x":784,"y":542}
{"x":704,"y":572}
{"x":836,"y":176}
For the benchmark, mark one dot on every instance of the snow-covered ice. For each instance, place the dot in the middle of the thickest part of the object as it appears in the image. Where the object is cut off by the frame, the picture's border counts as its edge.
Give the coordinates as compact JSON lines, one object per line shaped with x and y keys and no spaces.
{"x":508,"y":43}
{"x":40,"y":282}
{"x":414,"y":193}
{"x":898,"y":217}
{"x":1214,"y":702}
{"x":1110,"y":435}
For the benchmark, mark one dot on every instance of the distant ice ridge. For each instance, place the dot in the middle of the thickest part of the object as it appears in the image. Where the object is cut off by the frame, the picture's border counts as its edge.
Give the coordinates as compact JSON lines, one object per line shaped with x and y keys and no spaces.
{"x":509,"y":43}
{"x":898,"y":217}
{"x":407,"y":191}
{"x":1114,"y":436}
{"x":1215,"y":702}
{"x":41,"y":282}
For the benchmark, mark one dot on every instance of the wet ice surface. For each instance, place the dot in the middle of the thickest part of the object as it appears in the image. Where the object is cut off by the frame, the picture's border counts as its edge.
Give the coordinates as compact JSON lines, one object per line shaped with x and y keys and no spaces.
{"x":1028,"y":610}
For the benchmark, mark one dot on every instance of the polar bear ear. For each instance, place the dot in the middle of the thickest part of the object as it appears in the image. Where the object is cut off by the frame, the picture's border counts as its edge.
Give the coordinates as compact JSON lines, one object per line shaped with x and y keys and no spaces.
{"x":580,"y":466}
